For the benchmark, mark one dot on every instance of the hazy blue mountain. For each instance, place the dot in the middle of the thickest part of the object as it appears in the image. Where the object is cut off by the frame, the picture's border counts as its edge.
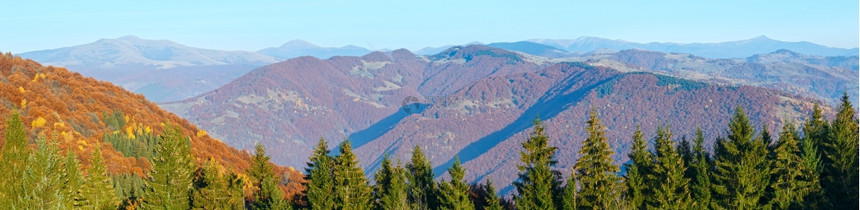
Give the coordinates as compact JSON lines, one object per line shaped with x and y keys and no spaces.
{"x":298,"y":48}
{"x":531,"y":48}
{"x":161,"y":70}
{"x":733,"y":49}
{"x":131,"y":50}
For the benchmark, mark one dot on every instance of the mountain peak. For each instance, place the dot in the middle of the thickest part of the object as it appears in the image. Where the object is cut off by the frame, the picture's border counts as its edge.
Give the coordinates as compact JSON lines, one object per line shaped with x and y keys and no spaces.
{"x":761,"y":38}
{"x":129,"y":37}
{"x":298,"y":43}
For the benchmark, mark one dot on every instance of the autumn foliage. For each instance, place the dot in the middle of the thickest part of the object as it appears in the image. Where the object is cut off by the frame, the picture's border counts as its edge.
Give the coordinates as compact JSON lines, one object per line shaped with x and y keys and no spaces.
{"x":71,"y":109}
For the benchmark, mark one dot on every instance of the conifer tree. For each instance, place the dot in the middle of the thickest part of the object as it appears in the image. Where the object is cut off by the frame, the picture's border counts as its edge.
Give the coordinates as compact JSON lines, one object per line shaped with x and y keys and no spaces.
{"x":13,"y":161}
{"x":98,"y":189}
{"x":44,"y":177}
{"x":816,"y":131}
{"x":671,"y":187}
{"x":390,"y":188}
{"x":351,"y":187}
{"x":454,"y":194}
{"x":320,"y":186}
{"x":422,"y":188}
{"x":786,"y":187}
{"x":596,"y":173}
{"x":811,"y":161}
{"x":700,"y":184}
{"x":267,"y":194}
{"x":72,"y":180}
{"x":493,"y":202}
{"x":569,"y":200}
{"x":169,"y":185}
{"x":841,"y":152}
{"x":214,"y":189}
{"x":637,"y":171}
{"x":741,"y":166}
{"x":537,"y":180}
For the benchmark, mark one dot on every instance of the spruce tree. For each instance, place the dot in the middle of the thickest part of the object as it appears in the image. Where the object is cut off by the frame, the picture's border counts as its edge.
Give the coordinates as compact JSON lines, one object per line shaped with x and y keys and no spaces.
{"x":841,"y":166}
{"x":741,"y":171}
{"x":351,"y":187}
{"x":454,"y":194}
{"x":422,"y":188}
{"x":596,"y":173}
{"x":671,"y":187}
{"x":637,"y":171}
{"x":98,"y":189}
{"x":537,"y":180}
{"x":44,"y":177}
{"x":72,"y":181}
{"x":267,"y":194}
{"x":320,"y":186}
{"x":700,"y":184}
{"x":569,"y":200}
{"x":390,"y":188}
{"x":811,"y":161}
{"x":787,"y":186}
{"x":213,"y":188}
{"x":169,"y":185}
{"x":13,"y":162}
{"x":493,"y":202}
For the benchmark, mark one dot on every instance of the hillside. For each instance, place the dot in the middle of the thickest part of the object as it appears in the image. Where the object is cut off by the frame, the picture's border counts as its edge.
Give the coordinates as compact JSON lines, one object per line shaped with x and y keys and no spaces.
{"x":162,"y":70}
{"x":289,"y":105}
{"x":81,"y":113}
{"x":819,"y":77}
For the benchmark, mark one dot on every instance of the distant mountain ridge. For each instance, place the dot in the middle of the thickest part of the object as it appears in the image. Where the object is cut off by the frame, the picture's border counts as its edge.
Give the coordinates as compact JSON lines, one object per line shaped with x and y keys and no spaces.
{"x":731,"y":49}
{"x":131,"y":50}
{"x":298,"y":48}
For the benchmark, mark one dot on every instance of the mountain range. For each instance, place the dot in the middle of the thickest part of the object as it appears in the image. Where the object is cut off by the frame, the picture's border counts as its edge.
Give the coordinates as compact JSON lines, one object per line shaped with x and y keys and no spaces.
{"x":473,"y":102}
{"x":165,"y":71}
{"x":731,"y":49}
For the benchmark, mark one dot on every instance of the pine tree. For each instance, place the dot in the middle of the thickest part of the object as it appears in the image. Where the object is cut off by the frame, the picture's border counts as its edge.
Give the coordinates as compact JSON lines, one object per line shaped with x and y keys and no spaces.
{"x":671,"y":187}
{"x":741,"y":166}
{"x":351,"y":187}
{"x":169,"y":185}
{"x":596,"y":173}
{"x":267,"y":194}
{"x":537,"y":180}
{"x":320,"y":185}
{"x":489,"y":197}
{"x":841,"y":166}
{"x":454,"y":193}
{"x":637,"y":171}
{"x":700,"y":186}
{"x":72,"y":180}
{"x":13,"y":161}
{"x":98,"y":188}
{"x":44,"y":177}
{"x":213,"y":189}
{"x":786,"y":187}
{"x":390,"y":188}
{"x":422,"y":188}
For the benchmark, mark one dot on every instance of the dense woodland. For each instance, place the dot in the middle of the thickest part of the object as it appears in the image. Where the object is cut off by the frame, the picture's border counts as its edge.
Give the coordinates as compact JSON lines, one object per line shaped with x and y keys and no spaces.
{"x":810,"y":167}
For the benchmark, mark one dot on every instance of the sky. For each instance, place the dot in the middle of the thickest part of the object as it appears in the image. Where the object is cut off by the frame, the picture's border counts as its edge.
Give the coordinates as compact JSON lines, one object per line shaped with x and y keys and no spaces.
{"x":254,"y":25}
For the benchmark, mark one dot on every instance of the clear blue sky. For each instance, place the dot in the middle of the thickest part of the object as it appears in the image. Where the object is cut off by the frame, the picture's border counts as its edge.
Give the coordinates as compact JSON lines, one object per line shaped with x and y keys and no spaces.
{"x":253,"y":25}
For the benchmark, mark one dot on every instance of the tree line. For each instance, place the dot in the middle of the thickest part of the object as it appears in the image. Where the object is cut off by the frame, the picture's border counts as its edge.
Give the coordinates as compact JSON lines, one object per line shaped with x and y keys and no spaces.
{"x":808,"y":166}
